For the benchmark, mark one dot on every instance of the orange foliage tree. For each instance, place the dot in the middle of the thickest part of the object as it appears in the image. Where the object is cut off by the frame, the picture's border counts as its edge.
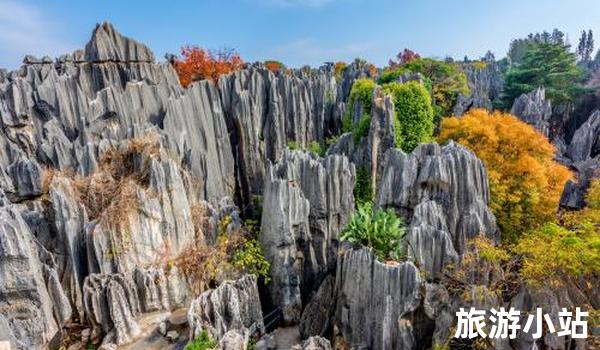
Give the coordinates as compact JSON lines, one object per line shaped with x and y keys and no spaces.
{"x":525,"y":181}
{"x":274,"y":66}
{"x":197,"y":64}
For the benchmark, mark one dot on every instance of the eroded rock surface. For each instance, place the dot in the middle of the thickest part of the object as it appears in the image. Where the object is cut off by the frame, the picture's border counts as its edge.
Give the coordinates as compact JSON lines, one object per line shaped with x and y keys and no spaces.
{"x":534,"y":109}
{"x":234,"y":305}
{"x":307,"y":202}
{"x":443,"y":195}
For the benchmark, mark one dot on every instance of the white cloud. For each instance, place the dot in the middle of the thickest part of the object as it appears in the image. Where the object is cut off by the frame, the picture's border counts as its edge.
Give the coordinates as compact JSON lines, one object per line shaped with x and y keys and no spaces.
{"x":24,"y":30}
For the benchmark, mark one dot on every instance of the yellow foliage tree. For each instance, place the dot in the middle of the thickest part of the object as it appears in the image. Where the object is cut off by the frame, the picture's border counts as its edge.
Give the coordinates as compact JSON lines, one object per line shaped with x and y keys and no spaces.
{"x":525,"y":181}
{"x":556,"y":254}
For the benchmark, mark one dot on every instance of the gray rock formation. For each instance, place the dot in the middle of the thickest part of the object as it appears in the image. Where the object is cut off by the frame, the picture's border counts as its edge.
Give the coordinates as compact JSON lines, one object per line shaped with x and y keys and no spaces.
{"x":313,"y":343}
{"x":485,"y":85}
{"x":368,"y":153}
{"x":234,"y":305}
{"x":377,"y":303}
{"x":583,"y":154}
{"x":316,"y":316}
{"x":307,"y":203}
{"x":32,"y":303}
{"x":234,"y":340}
{"x":585,"y":143}
{"x":534,"y":109}
{"x":443,"y":194}
{"x":111,"y":304}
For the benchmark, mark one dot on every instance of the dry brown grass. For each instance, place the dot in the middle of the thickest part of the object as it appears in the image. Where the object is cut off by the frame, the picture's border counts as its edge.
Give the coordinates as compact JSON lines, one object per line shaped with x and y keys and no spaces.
{"x":206,"y":266}
{"x":109,"y":195}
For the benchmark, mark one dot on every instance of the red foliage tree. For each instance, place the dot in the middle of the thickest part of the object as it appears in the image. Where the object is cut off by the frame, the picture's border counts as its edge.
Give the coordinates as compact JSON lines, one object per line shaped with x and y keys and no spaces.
{"x":403,"y":58}
{"x":197,"y":64}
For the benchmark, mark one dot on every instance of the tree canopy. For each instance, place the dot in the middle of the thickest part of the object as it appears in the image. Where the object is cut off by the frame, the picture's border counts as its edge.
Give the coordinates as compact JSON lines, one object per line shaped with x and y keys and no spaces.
{"x":525,"y":181}
{"x":413,"y":122}
{"x":550,"y":65}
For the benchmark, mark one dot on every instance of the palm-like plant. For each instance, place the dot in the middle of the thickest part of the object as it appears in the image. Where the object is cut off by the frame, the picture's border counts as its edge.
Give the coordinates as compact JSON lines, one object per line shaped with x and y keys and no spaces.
{"x":381,"y":230}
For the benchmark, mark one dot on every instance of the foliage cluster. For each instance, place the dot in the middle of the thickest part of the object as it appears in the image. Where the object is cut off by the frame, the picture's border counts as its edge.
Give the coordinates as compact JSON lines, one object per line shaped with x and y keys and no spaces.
{"x":556,"y":253}
{"x":402,"y":58}
{"x":197,"y":63}
{"x":362,"y":92}
{"x":363,"y":191}
{"x":518,"y":47}
{"x":339,"y":69}
{"x":525,"y":181}
{"x":233,"y":254}
{"x":274,"y":66}
{"x":202,"y":342}
{"x":550,"y":65}
{"x":381,"y":230}
{"x":413,"y":114}
{"x":447,"y":80}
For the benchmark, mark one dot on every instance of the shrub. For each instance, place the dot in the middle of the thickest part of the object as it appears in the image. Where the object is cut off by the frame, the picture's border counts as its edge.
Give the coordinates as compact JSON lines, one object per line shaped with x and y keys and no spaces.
{"x":315,"y":148}
{"x":362,"y":90}
{"x":447,"y":79}
{"x":232,"y":255}
{"x":274,"y":66}
{"x":363,"y":192}
{"x":525,"y":181}
{"x":197,"y":64}
{"x":339,"y":69}
{"x":413,"y":113}
{"x":202,"y":342}
{"x":479,"y":65}
{"x":361,"y":129}
{"x":250,"y":259}
{"x":293,"y":145}
{"x":554,"y":253}
{"x":381,"y":230}
{"x":403,"y":58}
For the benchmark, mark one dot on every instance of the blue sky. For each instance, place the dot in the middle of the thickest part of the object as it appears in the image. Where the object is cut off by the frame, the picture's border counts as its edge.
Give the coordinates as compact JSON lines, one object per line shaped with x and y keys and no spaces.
{"x":296,"y":32}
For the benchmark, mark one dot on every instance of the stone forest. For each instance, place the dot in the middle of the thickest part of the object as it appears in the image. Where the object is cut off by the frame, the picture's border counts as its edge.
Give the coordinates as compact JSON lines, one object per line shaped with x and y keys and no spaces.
{"x":204,"y":202}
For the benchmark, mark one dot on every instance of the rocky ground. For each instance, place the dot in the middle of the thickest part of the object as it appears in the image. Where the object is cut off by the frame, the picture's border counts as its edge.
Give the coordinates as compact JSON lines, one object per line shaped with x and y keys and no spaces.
{"x":105,"y":161}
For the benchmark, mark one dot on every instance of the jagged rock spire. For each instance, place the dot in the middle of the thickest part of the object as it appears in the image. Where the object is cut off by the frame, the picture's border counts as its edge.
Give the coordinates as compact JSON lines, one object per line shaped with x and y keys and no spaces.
{"x":107,"y":44}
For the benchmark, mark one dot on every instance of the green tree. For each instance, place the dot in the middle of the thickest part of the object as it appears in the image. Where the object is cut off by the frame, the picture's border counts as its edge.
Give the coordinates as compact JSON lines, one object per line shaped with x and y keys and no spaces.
{"x":448,"y":81}
{"x":544,"y":64}
{"x":413,"y":114}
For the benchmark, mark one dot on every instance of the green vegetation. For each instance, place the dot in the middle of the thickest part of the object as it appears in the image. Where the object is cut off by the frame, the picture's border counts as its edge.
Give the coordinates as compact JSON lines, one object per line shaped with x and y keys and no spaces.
{"x":414,"y":114}
{"x":316,"y":148}
{"x":362,"y":90}
{"x":250,"y":258}
{"x":556,"y":253}
{"x":525,"y":181}
{"x":445,"y":80}
{"x":381,"y":230}
{"x":363,"y":192}
{"x":293,"y":145}
{"x":550,"y":65}
{"x":361,"y":129}
{"x":202,"y":342}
